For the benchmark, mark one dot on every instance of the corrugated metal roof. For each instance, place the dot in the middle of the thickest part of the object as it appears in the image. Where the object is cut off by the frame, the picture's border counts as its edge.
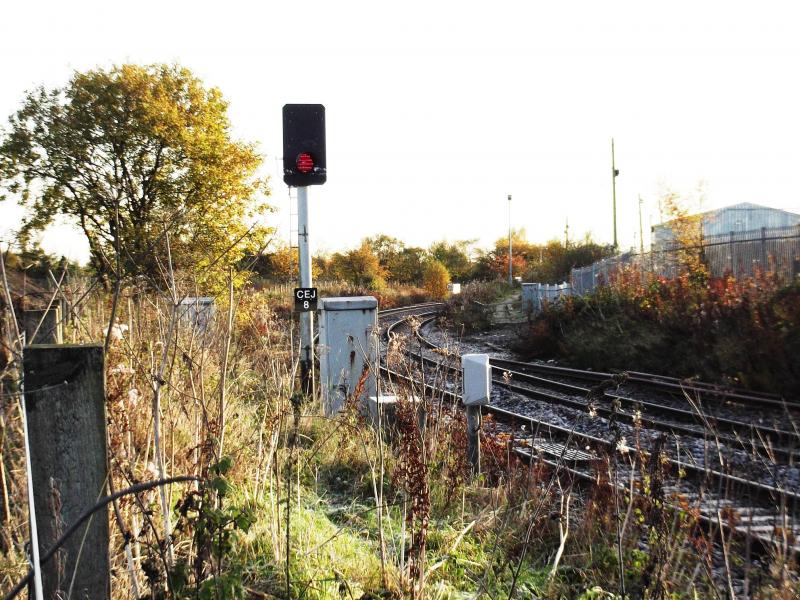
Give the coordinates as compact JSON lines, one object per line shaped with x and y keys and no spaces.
{"x":744,"y":216}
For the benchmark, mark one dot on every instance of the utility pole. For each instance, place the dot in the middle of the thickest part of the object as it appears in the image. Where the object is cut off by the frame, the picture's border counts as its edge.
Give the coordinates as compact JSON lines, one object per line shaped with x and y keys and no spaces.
{"x":641,"y":231}
{"x":566,"y":234}
{"x":614,"y":173}
{"x":510,"y":255}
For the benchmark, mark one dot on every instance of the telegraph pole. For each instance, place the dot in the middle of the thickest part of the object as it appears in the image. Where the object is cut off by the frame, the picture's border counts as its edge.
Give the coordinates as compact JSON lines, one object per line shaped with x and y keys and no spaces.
{"x":510,"y":255}
{"x":614,"y":173}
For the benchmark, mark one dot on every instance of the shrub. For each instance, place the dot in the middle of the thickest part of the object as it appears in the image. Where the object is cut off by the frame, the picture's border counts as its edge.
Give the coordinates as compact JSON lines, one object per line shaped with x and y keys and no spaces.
{"x":742,"y":332}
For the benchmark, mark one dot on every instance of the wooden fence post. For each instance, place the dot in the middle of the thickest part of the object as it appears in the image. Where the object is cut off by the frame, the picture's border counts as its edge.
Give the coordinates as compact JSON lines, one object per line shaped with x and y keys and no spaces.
{"x":65,"y":408}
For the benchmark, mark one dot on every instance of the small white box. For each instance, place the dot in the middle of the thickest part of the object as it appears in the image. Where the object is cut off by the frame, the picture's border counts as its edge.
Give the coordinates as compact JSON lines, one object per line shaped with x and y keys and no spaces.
{"x":477,"y":379}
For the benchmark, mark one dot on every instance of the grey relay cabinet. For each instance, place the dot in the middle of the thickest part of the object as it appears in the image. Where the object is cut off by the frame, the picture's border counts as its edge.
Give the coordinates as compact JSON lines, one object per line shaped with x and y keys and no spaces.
{"x":348,"y":340}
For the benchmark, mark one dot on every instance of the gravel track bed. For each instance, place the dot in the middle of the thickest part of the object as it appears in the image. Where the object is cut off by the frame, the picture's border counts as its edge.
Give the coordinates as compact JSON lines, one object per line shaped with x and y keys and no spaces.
{"x":685,"y":448}
{"x":492,"y":343}
{"x":691,"y":450}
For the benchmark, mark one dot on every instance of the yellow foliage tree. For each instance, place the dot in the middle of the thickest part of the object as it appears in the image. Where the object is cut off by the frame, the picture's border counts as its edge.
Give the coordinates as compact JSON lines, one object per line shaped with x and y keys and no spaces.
{"x":435,"y":279}
{"x":135,"y":156}
{"x":686,"y":229}
{"x":360,"y":266}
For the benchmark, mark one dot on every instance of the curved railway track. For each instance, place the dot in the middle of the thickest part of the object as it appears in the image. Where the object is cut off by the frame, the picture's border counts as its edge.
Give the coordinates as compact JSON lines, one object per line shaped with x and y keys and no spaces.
{"x":710,"y":486}
{"x":692,"y":409}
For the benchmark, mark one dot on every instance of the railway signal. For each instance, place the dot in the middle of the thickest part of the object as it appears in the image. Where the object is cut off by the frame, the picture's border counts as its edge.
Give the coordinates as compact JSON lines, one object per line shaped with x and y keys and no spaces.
{"x":304,"y":145}
{"x":304,"y":165}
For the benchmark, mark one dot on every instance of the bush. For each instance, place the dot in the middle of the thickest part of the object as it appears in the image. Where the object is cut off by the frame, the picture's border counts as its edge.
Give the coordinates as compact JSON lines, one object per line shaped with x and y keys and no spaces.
{"x":744,"y":333}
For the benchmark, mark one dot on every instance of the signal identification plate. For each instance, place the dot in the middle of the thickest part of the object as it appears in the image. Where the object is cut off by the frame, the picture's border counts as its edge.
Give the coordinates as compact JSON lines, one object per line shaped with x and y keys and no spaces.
{"x":305,"y":299}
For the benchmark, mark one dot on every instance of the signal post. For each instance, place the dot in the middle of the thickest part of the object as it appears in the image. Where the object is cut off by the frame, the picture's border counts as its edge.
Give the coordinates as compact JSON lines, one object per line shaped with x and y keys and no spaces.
{"x":304,"y":165}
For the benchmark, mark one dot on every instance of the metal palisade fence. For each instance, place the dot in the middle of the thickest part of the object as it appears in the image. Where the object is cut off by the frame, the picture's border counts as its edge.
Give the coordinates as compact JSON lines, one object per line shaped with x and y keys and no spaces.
{"x":535,"y":295}
{"x":741,"y":254}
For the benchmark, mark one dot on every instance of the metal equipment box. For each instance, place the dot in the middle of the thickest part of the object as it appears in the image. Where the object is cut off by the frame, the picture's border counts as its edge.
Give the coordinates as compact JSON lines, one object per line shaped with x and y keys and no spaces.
{"x":348,"y":350}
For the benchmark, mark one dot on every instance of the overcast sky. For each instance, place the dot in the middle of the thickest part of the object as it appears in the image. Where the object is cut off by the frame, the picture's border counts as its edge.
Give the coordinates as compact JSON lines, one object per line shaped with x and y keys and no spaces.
{"x":436,"y":111}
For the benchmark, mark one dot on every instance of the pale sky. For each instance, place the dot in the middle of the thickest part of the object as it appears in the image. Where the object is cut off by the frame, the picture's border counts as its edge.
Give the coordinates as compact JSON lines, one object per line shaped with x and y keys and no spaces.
{"x":436,"y":111}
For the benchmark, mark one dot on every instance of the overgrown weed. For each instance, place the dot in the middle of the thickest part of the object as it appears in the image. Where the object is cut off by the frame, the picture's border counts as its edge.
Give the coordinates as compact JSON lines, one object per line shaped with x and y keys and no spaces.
{"x":740,"y":332}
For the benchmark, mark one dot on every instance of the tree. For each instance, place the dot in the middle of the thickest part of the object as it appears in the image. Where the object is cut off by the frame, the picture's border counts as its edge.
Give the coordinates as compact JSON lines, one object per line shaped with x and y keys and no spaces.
{"x":541,"y":263}
{"x":135,"y":156}
{"x":385,"y":247}
{"x":454,"y":256}
{"x":359,"y":266}
{"x":281,"y":264}
{"x":685,"y":230}
{"x":408,"y":266}
{"x":436,"y":279}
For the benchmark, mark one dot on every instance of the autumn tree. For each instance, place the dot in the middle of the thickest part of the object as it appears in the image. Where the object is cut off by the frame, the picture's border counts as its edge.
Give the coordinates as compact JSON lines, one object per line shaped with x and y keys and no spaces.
{"x":454,"y":256}
{"x":494,"y":263}
{"x":136,"y":156}
{"x":408,"y":266}
{"x":559,"y":259}
{"x":386,"y":248}
{"x":359,"y":266}
{"x":685,"y":232}
{"x":543,"y":263}
{"x":280,"y":263}
{"x":436,"y":279}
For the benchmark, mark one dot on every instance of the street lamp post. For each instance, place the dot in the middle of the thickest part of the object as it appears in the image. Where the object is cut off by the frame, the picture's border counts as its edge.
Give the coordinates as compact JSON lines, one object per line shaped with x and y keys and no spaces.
{"x":510,"y":254}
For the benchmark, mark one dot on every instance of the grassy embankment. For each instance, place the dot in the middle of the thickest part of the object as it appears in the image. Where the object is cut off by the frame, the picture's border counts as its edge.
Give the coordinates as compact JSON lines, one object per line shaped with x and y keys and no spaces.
{"x":744,"y":333}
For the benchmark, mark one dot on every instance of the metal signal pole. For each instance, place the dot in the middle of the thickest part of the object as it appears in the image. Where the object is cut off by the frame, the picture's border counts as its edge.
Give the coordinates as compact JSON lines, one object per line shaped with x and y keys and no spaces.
{"x":306,"y":318}
{"x":510,"y":255}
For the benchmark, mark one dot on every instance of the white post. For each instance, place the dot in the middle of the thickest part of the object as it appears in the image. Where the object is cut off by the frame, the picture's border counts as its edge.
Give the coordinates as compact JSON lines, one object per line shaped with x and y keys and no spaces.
{"x":477,"y":385}
{"x":307,"y":317}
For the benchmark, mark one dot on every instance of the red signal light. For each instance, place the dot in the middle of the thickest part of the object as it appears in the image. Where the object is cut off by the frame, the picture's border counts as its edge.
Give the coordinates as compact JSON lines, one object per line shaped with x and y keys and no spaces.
{"x":305,"y":162}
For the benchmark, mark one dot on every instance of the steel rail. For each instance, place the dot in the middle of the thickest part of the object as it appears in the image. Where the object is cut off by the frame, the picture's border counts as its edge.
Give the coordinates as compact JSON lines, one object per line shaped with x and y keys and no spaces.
{"x":755,"y":486}
{"x":745,"y":527}
{"x":754,"y":521}
{"x":771,"y":441}
{"x":785,"y":441}
{"x":663,"y":383}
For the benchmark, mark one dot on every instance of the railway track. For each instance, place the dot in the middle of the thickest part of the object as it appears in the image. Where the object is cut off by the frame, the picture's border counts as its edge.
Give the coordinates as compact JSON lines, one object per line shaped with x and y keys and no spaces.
{"x":711,"y":489}
{"x":699,"y":410}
